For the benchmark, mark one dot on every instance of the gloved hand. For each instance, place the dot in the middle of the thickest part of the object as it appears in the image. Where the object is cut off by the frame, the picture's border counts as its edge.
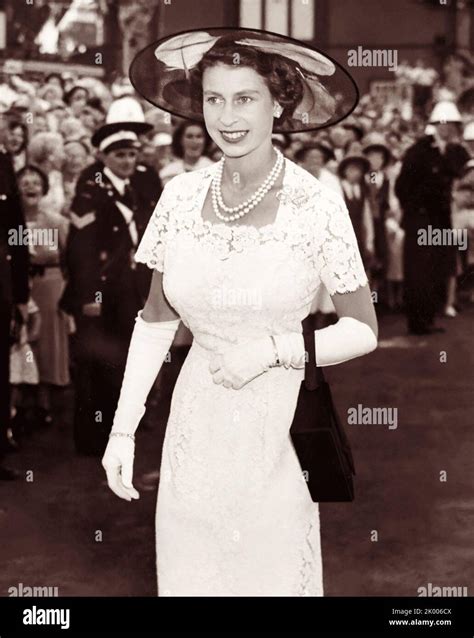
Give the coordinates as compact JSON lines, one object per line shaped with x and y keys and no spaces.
{"x":149,"y":345}
{"x":345,"y":340}
{"x":239,"y":364}
{"x":118,"y":465}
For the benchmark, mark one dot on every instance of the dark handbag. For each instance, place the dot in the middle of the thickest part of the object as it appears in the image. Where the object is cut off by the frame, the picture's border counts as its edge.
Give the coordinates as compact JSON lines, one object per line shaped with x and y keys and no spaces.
{"x":318,"y":437}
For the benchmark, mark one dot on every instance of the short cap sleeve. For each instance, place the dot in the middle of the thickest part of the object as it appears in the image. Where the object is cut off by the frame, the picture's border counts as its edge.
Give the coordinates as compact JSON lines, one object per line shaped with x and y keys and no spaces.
{"x":151,"y":249}
{"x":336,"y":252}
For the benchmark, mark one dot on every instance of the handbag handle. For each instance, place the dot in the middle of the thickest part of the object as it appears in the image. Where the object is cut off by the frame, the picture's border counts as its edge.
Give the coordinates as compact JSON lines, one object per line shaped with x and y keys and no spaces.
{"x":313,"y":375}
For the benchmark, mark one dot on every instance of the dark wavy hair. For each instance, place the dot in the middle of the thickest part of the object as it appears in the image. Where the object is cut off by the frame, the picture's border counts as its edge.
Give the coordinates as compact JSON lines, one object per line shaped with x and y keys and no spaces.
{"x":12,"y":125}
{"x":31,"y":168}
{"x":177,"y":140}
{"x":279,"y":73}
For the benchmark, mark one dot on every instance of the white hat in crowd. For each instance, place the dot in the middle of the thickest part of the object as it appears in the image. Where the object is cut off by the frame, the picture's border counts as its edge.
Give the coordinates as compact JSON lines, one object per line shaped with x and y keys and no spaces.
{"x":125,"y":121}
{"x":445,"y":112}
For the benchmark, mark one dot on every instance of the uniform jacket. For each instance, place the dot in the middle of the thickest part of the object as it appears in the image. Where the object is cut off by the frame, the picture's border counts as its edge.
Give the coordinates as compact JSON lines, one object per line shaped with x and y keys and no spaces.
{"x":424,"y":184}
{"x":100,"y":248}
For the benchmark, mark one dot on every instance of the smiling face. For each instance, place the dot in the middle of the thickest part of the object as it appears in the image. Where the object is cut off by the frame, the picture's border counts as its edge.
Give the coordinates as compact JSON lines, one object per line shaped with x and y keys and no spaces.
{"x":193,"y":142}
{"x":15,"y":139}
{"x":31,"y":189}
{"x":121,"y":161}
{"x":237,"y":108}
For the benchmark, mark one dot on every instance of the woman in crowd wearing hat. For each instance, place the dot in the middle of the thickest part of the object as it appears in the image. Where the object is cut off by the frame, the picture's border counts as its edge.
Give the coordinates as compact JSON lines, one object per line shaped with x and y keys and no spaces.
{"x":352,"y":170}
{"x":313,"y":157}
{"x":381,"y":194}
{"x":47,"y":285}
{"x":240,"y":248}
{"x":190,"y":145}
{"x":424,"y":190}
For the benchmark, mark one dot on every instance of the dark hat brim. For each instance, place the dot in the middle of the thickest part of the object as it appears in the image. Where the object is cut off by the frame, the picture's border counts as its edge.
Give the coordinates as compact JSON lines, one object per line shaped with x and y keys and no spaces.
{"x":379,"y":148}
{"x":358,"y":130}
{"x":169,"y":88}
{"x":140,"y":128}
{"x":353,"y":159}
{"x":327,"y":151}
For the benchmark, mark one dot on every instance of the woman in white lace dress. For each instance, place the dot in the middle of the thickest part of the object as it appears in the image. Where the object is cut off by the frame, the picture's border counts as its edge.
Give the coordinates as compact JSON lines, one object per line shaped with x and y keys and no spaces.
{"x":234,"y":515}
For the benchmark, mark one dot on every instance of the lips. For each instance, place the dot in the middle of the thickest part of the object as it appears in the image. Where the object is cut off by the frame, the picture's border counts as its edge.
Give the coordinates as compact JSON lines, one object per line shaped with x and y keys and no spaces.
{"x":233,"y":136}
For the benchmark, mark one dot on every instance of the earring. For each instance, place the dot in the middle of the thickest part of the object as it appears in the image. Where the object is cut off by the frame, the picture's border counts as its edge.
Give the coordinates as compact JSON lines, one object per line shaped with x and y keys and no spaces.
{"x":277,"y":110}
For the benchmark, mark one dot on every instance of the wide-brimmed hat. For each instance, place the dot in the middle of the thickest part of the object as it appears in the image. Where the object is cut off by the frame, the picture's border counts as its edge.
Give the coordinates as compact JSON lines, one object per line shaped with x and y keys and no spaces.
{"x":161,"y":74}
{"x":326,"y":151}
{"x":356,"y":126}
{"x":376,"y":142}
{"x":354,"y":155}
{"x":125,"y":121}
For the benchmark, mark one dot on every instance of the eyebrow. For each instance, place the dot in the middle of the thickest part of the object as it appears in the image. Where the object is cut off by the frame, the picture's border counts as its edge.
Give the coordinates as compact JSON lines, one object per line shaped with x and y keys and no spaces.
{"x":238,"y":93}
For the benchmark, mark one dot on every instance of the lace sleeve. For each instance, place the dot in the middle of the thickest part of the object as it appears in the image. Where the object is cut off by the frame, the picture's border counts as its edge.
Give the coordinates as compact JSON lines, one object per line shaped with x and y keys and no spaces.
{"x":151,"y":249}
{"x":336,"y":253}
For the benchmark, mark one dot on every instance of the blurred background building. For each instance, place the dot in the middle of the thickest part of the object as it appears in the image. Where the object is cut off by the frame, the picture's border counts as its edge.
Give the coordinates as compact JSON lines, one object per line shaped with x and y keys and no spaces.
{"x":104,"y":35}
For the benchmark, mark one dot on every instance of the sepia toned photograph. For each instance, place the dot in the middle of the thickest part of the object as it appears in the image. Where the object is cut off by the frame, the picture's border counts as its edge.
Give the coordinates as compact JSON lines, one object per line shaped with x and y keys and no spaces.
{"x":236,"y":311}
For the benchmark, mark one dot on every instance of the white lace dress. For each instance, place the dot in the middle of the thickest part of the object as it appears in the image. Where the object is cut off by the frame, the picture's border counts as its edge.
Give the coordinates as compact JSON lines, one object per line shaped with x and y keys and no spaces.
{"x":234,"y":516}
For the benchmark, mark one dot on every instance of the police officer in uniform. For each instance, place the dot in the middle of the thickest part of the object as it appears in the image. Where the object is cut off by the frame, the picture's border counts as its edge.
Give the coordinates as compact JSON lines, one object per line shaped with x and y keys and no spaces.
{"x":14,"y":290}
{"x":105,"y":289}
{"x":423,"y":188}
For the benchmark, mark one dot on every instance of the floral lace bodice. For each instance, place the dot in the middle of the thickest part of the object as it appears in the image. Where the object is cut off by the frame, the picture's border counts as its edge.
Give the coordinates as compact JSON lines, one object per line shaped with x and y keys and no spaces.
{"x":233,"y":282}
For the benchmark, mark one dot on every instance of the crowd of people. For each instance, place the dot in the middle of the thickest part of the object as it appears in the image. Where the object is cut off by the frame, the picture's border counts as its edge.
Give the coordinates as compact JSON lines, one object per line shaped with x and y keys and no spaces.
{"x":84,"y":152}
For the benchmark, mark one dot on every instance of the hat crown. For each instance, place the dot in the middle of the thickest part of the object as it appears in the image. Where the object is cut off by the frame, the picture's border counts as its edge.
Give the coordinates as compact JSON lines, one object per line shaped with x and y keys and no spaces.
{"x":445,"y":112}
{"x":125,"y":109}
{"x":374,"y":138}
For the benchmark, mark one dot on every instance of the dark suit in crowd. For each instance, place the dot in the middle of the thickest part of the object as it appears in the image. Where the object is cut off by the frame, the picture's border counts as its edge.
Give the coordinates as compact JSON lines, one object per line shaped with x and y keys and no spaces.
{"x":423,"y":188}
{"x":14,"y":289}
{"x":100,"y":267}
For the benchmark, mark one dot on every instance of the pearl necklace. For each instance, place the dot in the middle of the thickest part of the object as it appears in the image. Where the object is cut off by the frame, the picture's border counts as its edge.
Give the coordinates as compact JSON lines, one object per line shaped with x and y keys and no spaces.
{"x":243,"y":209}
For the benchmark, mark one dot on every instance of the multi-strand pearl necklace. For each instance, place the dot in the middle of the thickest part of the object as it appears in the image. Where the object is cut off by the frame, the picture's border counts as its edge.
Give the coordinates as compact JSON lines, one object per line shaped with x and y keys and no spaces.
{"x":243,"y":209}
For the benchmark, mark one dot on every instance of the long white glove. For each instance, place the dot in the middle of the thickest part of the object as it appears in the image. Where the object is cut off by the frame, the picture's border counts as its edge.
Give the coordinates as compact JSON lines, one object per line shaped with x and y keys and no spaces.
{"x":149,"y":345}
{"x":345,"y":340}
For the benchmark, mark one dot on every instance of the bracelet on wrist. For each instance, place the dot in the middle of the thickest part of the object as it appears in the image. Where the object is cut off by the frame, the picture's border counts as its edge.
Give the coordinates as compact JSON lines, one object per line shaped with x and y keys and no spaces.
{"x":277,"y":356}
